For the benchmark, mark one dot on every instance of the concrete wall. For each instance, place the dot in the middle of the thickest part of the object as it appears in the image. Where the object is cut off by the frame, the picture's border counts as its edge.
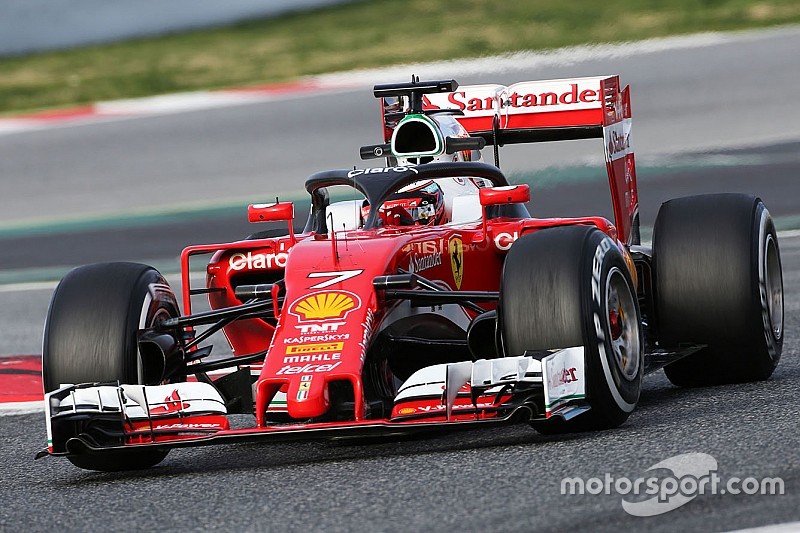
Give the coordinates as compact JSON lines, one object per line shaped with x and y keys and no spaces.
{"x":35,"y":25}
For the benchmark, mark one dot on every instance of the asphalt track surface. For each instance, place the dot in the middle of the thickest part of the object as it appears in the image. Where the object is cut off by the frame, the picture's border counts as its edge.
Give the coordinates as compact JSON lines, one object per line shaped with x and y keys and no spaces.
{"x":505,"y":479}
{"x":501,"y":479}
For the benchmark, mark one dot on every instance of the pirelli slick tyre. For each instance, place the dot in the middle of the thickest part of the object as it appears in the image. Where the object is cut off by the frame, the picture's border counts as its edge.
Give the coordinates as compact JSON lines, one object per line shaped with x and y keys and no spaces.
{"x":570,"y":286}
{"x":718,"y":282}
{"x":91,"y":335}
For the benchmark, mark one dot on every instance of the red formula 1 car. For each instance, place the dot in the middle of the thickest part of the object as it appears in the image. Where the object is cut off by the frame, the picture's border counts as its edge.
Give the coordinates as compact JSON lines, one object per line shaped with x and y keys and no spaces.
{"x":428,"y":299}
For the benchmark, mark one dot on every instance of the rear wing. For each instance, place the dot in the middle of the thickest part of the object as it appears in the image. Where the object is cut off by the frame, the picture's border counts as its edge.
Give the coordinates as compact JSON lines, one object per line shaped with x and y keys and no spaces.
{"x":550,"y":110}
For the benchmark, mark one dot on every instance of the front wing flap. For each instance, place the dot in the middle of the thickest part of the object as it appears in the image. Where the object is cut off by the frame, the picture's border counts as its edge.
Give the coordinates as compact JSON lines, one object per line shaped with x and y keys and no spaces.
{"x":488,"y":387}
{"x":96,"y":418}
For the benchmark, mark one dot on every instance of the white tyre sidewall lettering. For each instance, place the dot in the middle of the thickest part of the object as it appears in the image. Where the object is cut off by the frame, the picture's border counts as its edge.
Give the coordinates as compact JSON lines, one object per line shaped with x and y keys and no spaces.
{"x":765,"y":237}
{"x":148,"y":300}
{"x":599,"y":304}
{"x":158,"y":297}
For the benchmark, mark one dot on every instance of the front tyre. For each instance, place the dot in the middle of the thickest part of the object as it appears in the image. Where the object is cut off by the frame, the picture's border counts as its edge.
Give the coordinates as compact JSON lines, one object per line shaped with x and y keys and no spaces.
{"x":570,"y":286}
{"x":91,"y":335}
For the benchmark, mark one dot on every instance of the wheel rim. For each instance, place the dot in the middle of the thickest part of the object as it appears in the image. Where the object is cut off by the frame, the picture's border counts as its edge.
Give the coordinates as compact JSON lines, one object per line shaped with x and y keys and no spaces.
{"x":623,"y":325}
{"x":774,"y":287}
{"x":147,"y":320}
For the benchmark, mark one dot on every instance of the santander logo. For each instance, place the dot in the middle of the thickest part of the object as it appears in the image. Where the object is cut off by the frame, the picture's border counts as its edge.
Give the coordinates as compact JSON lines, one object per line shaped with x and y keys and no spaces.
{"x":521,"y":98}
{"x":618,"y":139}
{"x":618,"y":142}
{"x":516,"y":99}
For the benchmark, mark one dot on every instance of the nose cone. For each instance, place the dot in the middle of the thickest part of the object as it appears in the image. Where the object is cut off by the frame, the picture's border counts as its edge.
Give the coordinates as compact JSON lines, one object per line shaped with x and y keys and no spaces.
{"x":320,"y":341}
{"x":308,"y":397}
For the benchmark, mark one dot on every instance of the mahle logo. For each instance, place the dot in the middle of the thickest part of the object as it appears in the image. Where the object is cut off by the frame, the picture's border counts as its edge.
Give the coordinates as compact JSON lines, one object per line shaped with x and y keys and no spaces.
{"x":325,"y":305}
{"x":320,"y":347}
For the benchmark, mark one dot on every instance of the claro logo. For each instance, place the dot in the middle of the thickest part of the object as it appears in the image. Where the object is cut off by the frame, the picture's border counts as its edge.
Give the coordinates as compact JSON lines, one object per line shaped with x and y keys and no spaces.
{"x":380,"y":170}
{"x":240,"y":261}
{"x":503,"y":241}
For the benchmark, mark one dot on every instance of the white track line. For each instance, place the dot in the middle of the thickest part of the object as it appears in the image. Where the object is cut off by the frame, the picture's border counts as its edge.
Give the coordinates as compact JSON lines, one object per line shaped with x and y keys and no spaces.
{"x":360,"y":79}
{"x":173,"y":279}
{"x":788,"y":527}
{"x":33,"y":286}
{"x":21,"y":408}
{"x":558,"y":57}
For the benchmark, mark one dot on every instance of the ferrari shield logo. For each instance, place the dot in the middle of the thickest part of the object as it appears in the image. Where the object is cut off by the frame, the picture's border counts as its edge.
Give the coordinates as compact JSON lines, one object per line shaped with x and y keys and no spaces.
{"x":456,"y":249}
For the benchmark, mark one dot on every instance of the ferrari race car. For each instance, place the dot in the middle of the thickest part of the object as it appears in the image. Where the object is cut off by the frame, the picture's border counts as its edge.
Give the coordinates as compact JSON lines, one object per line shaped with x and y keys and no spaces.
{"x":427,"y":299}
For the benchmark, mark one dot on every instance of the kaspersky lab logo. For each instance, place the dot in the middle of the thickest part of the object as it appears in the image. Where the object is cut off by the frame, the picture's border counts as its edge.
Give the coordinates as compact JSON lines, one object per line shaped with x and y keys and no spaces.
{"x":326,"y":305}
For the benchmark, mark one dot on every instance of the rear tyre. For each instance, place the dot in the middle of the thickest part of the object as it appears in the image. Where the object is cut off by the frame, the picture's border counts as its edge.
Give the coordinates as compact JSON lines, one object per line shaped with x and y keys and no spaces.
{"x":91,"y":335}
{"x":570,"y":286}
{"x":718,"y":282}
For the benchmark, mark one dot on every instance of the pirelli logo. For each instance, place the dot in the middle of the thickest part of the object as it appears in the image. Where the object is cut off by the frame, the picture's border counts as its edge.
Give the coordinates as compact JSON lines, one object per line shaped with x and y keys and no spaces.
{"x":322,"y":347}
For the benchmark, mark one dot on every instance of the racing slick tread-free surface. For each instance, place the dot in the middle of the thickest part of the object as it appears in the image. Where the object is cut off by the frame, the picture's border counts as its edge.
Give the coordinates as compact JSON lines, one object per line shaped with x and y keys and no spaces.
{"x":547,"y":302}
{"x":706,"y":253}
{"x":91,"y":335}
{"x":92,"y":324}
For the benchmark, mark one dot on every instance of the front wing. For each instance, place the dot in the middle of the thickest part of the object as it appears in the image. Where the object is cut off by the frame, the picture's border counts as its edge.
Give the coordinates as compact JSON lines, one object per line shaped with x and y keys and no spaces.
{"x":101,"y":418}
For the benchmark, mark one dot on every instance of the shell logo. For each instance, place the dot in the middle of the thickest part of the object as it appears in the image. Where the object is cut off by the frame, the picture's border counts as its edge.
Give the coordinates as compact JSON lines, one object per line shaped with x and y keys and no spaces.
{"x":406,"y":411}
{"x":325,"y":305}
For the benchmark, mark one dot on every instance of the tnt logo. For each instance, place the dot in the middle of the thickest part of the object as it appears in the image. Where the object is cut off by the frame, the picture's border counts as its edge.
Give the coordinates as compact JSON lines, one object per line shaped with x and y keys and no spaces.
{"x":309,"y":329}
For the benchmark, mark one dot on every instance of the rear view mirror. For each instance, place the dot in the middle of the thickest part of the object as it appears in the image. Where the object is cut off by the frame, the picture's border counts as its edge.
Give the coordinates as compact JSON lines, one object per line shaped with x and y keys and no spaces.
{"x":272,"y":213}
{"x":512,"y":194}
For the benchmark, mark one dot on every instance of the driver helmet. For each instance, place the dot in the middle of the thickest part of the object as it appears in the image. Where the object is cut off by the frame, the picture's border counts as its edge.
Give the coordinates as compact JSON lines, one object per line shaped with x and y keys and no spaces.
{"x":420,"y":203}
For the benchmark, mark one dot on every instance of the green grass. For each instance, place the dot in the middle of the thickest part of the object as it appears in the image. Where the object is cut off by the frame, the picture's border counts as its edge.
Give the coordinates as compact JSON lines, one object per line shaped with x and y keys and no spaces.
{"x":358,"y":35}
